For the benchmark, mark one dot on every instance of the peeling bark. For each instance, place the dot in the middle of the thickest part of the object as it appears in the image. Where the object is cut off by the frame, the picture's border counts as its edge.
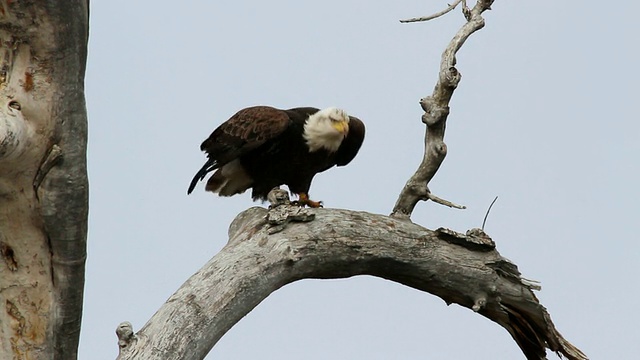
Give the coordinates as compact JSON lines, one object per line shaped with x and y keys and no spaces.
{"x":43,"y":183}
{"x":464,"y":269}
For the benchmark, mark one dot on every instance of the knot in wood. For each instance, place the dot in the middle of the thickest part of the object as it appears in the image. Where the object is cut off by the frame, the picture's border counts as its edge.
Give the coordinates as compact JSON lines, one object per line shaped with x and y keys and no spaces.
{"x":14,"y":134}
{"x":7,"y":253}
{"x":435,"y":114}
{"x":426,"y":103}
{"x":479,"y":237}
{"x":278,"y":197}
{"x":279,"y":216}
{"x":451,"y":77}
{"x":479,"y":304}
{"x":439,"y":148}
{"x":471,"y":242}
{"x":124,"y":331}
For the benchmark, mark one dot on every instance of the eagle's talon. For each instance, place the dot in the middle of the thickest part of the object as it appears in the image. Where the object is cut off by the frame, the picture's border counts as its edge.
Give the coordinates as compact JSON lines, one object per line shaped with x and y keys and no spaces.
{"x":314,"y":204}
{"x":305,"y":201}
{"x":309,"y":203}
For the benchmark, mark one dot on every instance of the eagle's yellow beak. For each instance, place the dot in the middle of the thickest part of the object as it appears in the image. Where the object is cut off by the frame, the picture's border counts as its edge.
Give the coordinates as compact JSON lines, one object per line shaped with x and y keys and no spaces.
{"x":341,"y":126}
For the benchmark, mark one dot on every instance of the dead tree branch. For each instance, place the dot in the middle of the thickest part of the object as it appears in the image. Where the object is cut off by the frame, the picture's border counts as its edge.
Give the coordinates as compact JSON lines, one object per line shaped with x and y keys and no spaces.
{"x":436,"y":108}
{"x":461,"y":269}
{"x":433,"y":16}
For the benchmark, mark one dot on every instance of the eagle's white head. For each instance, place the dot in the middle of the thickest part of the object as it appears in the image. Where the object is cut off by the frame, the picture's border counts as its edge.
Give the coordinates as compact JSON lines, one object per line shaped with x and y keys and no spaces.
{"x":326,"y":129}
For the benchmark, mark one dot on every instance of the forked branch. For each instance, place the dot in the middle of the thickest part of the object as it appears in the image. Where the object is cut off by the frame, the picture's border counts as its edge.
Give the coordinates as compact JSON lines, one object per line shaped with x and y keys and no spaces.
{"x":436,"y":108}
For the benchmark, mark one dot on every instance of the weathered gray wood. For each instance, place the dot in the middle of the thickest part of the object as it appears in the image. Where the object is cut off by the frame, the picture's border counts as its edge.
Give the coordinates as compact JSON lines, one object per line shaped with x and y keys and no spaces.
{"x":461,"y":269}
{"x":436,"y":111}
{"x":43,"y":181}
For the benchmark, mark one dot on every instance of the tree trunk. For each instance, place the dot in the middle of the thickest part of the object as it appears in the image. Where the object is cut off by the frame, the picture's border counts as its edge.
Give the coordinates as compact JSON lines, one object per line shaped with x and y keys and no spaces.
{"x":43,"y":180}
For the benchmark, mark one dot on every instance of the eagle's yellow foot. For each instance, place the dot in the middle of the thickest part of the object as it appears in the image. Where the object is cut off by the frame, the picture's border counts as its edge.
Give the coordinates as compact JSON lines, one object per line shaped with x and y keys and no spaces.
{"x":304,"y":200}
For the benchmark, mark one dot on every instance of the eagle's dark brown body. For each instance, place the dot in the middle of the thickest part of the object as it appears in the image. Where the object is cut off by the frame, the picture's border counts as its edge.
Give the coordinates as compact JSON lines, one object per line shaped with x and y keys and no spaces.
{"x":263,"y":147}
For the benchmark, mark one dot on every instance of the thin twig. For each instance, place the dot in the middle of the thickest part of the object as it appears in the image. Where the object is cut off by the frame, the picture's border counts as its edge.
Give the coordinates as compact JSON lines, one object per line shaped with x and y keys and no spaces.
{"x":444,"y":202}
{"x":487,"y":214}
{"x":433,"y":16}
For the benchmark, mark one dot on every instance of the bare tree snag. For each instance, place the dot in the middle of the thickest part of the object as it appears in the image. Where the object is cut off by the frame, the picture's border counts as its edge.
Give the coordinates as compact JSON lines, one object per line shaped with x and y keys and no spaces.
{"x":461,"y":269}
{"x":43,"y":181}
{"x":436,"y":111}
{"x":268,"y":249}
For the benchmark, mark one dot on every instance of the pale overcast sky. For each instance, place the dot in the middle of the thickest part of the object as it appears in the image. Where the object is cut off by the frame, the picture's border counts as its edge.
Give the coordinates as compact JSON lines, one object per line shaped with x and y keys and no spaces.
{"x":545,"y":117}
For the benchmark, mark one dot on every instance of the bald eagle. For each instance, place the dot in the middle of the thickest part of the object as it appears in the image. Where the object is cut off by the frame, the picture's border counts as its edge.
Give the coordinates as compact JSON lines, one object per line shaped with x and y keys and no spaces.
{"x":262,"y":147}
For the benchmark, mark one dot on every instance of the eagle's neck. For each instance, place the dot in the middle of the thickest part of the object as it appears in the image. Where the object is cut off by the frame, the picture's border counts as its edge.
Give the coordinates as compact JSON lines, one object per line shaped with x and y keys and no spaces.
{"x":319,"y":134}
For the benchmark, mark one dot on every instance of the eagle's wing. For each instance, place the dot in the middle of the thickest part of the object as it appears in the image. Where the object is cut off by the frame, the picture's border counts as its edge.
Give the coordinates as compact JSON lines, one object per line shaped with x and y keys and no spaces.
{"x":351,"y":144}
{"x":243,"y":132}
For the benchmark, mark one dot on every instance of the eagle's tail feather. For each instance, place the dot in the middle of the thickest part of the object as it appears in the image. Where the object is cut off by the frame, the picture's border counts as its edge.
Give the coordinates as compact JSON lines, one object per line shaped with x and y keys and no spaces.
{"x":209,"y":166}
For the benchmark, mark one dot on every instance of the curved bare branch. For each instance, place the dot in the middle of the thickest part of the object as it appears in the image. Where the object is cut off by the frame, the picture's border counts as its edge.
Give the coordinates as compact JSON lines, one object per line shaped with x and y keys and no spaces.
{"x":462,"y":269}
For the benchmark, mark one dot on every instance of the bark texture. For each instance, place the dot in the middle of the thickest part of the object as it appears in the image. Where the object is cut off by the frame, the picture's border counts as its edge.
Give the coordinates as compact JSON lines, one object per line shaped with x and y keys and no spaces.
{"x":43,"y":180}
{"x":464,"y":269}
